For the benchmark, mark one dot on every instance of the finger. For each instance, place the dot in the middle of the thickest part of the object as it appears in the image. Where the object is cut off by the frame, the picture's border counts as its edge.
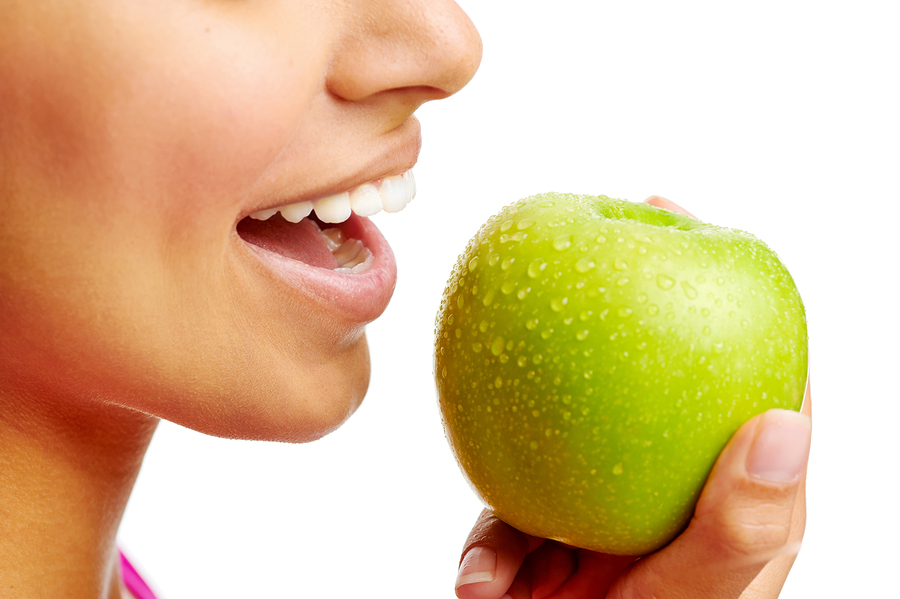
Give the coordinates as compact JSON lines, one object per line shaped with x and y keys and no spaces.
{"x":595,"y":573}
{"x":521,"y":586}
{"x":492,"y":556}
{"x":550,"y":566}
{"x":742,"y":521}
{"x":661,"y":202}
{"x":768,"y":584}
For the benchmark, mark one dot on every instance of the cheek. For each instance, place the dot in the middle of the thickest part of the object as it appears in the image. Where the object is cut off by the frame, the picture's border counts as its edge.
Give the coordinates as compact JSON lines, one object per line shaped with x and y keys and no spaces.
{"x":132,"y":150}
{"x":203,"y":131}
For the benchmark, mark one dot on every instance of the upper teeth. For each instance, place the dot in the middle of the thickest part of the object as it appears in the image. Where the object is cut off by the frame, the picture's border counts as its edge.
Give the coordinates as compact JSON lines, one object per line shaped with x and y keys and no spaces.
{"x":390,"y":194}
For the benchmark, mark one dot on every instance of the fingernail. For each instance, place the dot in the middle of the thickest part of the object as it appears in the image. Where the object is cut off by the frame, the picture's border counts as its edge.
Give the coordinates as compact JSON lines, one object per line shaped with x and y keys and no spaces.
{"x":479,"y":565}
{"x":779,"y":452}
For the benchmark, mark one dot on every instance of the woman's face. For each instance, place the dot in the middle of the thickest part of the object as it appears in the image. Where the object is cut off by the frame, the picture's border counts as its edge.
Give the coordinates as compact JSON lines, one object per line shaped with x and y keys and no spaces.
{"x":135,"y":141}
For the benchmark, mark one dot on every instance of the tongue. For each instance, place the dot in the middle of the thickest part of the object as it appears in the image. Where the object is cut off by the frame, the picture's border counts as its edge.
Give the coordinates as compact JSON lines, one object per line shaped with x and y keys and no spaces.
{"x":299,"y":241}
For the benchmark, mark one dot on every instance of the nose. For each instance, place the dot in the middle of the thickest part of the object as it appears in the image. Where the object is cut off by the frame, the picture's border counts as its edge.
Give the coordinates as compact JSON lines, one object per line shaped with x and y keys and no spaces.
{"x":419,"y":49}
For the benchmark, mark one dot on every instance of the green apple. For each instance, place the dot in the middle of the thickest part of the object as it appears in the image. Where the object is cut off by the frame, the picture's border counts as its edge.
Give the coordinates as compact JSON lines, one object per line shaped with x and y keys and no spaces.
{"x":594,"y":356}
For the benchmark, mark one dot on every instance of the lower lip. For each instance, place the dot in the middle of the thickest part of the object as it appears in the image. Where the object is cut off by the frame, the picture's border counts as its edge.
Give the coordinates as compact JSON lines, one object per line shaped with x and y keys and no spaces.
{"x":358,"y":298}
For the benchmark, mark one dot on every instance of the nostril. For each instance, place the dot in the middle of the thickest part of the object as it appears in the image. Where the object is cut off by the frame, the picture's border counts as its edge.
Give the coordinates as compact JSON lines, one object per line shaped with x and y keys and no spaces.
{"x":429,"y":49}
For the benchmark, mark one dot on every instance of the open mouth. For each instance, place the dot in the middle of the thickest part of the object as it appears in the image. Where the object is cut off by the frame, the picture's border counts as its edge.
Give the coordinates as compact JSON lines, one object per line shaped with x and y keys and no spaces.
{"x":324,"y":233}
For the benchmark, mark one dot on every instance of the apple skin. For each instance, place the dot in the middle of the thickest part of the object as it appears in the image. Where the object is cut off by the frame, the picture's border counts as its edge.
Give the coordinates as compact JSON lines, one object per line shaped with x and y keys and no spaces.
{"x":594,"y":356}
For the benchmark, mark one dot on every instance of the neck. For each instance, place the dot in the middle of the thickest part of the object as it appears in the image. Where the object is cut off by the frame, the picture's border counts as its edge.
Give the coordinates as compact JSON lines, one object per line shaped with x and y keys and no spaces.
{"x":65,"y":477}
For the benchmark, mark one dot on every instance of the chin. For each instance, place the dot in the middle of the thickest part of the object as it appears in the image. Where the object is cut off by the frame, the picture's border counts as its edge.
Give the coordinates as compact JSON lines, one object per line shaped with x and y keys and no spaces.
{"x":310,"y":410}
{"x":292,"y":402}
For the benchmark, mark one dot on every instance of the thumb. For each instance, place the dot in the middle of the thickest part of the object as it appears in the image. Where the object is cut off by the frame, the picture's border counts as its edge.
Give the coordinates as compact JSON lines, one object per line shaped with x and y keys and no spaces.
{"x":661,"y":202}
{"x":742,"y":520}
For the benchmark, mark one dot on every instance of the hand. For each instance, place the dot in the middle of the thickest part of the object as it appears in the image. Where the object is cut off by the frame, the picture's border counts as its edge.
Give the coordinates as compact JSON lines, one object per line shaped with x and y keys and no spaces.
{"x":740,"y":543}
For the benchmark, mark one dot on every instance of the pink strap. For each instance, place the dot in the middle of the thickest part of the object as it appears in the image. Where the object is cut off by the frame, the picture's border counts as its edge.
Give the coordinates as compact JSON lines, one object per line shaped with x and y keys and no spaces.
{"x":132,"y":580}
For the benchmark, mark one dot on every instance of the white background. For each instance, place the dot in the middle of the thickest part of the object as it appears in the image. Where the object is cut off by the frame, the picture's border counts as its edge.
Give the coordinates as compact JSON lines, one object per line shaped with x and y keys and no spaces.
{"x":780,"y":118}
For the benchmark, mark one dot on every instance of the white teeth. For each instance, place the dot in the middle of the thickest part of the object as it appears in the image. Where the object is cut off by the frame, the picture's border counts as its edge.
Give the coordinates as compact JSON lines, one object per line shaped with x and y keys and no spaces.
{"x":264,"y":214}
{"x":333,"y":238}
{"x":411,"y":181}
{"x":397,"y":192}
{"x":360,"y":263}
{"x":365,"y":200}
{"x":333,"y":209}
{"x":351,"y":255}
{"x":294,"y":213}
{"x":390,"y":194}
{"x":348,"y":251}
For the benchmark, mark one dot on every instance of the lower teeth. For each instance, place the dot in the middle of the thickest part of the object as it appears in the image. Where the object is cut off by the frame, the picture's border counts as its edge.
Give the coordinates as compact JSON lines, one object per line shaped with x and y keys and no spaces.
{"x":350,"y":254}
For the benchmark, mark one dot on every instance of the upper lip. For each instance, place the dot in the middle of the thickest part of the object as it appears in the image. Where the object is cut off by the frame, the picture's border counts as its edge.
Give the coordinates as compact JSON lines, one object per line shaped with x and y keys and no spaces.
{"x":399,"y":158}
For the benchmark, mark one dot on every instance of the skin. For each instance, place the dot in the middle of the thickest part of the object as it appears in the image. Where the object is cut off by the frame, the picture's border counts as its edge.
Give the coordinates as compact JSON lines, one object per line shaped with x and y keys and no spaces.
{"x":132,"y":139}
{"x":741,"y":542}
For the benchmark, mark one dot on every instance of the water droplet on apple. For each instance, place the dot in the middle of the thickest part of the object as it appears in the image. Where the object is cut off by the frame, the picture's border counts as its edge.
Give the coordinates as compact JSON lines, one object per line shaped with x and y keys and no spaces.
{"x":508,"y":287}
{"x":545,"y":334}
{"x":477,"y":347}
{"x":620,"y":264}
{"x":507,"y":263}
{"x":523,"y":293}
{"x":622,"y":281}
{"x":473,"y":263}
{"x":625,"y":312}
{"x":652,"y":309}
{"x":497,"y":346}
{"x":642,"y":298}
{"x":524,"y":223}
{"x":531,"y":324}
{"x":534,"y":445}
{"x":689,"y":291}
{"x":618,"y":469}
{"x":664,"y":282}
{"x":506,"y":225}
{"x":582,"y":335}
{"x":563,"y":242}
{"x":536,"y":267}
{"x":707,"y":331}
{"x":557,"y":304}
{"x":585,"y":264}
{"x":488,"y":298}
{"x":522,"y":361}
